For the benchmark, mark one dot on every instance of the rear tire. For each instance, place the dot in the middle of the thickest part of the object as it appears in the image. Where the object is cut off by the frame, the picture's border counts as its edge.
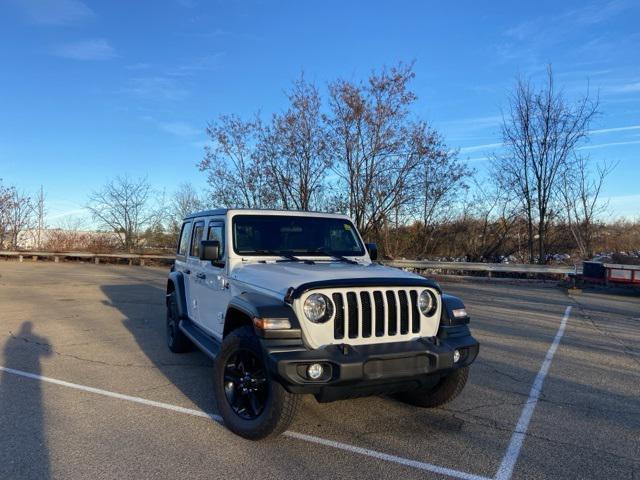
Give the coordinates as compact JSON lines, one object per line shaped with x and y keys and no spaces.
{"x":447,"y":388}
{"x":251,"y":404}
{"x":177,"y":341}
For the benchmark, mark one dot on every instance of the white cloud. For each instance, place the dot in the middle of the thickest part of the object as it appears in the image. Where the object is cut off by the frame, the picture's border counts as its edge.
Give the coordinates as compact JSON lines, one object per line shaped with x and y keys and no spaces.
{"x":476,"y":148}
{"x":610,"y":144}
{"x":92,"y":49}
{"x":594,"y":13}
{"x":158,"y":87}
{"x":205,"y":63}
{"x":474,"y":122}
{"x":55,"y":12}
{"x":68,"y":213}
{"x":181,"y":129}
{"x":633,"y":87}
{"x":615,"y":129}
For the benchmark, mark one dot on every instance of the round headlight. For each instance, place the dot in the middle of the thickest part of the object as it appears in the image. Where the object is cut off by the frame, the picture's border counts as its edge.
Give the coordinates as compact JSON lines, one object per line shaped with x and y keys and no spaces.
{"x":318,"y":308}
{"x":427,"y":303}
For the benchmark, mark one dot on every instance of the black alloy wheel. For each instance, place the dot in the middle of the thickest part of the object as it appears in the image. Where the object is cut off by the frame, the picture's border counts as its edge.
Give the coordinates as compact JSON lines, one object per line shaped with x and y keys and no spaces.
{"x":245,"y":384}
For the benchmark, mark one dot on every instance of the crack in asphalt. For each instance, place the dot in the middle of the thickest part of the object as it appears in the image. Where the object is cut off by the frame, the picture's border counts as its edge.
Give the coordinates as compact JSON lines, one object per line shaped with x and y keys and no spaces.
{"x":495,"y":425}
{"x":605,"y":333}
{"x":498,"y":371}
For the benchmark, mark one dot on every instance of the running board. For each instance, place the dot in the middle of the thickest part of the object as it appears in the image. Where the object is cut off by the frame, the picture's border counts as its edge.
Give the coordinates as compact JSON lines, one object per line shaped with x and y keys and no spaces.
{"x":209,"y":346}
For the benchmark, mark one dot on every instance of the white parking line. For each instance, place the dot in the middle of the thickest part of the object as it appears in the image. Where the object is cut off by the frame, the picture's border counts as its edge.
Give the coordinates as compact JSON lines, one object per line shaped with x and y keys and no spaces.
{"x":505,"y":470}
{"x":107,"y":393}
{"x":517,"y":439}
{"x":299,"y":436}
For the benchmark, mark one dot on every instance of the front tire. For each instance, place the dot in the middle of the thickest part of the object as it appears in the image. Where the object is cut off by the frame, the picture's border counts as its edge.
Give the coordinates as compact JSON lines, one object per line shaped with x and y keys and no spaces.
{"x":445,"y":390}
{"x":251,"y":404}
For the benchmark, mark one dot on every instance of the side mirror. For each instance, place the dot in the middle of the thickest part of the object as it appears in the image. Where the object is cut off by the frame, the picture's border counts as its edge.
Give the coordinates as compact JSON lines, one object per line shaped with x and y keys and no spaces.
{"x":210,"y":250}
{"x":372,"y":248}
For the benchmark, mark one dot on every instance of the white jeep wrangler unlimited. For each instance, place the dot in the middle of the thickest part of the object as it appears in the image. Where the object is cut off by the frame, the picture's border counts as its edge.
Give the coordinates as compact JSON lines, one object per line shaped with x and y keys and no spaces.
{"x":289,"y":303}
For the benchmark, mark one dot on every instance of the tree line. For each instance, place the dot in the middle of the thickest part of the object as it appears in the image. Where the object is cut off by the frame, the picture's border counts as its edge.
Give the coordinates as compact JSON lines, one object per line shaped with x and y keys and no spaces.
{"x":358,"y":147}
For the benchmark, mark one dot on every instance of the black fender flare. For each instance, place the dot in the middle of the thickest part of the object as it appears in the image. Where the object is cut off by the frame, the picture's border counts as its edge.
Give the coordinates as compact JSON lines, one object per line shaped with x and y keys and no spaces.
{"x":258,"y":305}
{"x":177,"y":279}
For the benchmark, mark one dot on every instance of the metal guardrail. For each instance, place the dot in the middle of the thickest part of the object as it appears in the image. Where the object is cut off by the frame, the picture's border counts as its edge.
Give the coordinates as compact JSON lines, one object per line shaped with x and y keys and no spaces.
{"x":486,"y":267}
{"x":57,"y":256}
{"x":415,"y":264}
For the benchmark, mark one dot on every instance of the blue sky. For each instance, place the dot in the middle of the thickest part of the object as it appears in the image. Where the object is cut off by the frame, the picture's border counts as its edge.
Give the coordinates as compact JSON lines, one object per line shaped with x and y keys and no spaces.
{"x":89,"y":89}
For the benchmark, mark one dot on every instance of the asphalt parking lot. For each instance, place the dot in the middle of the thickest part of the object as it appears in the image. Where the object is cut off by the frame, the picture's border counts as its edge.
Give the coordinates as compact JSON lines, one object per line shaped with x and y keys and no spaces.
{"x":89,"y":390}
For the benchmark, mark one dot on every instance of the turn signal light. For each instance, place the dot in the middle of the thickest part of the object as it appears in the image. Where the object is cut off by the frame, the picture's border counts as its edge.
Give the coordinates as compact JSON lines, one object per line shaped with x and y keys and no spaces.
{"x":272,"y":323}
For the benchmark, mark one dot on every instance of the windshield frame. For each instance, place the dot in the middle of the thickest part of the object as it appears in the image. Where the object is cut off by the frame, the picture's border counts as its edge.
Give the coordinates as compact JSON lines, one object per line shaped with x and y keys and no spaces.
{"x":326,"y":254}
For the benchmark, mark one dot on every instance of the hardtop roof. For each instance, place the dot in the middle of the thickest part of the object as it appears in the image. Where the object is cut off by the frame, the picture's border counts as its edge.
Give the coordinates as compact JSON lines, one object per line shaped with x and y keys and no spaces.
{"x":257,"y":211}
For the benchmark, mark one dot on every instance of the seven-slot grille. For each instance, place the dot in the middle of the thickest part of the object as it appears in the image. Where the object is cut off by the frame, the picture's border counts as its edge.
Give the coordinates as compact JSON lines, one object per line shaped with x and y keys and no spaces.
{"x":375,"y":313}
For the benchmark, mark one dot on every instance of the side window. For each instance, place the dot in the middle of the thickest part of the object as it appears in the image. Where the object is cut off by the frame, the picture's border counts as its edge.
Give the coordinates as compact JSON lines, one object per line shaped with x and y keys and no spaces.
{"x":196,"y":237}
{"x":216,"y":232}
{"x":183,"y":243}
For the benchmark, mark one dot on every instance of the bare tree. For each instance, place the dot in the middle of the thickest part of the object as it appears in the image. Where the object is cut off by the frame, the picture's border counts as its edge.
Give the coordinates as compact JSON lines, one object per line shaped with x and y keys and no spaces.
{"x":581,"y":197}
{"x":40,"y":213}
{"x":122,"y":206}
{"x":540,"y":134}
{"x":6,"y":194}
{"x":371,"y":142}
{"x":236,"y":172}
{"x":20,"y":218}
{"x":488,"y":221}
{"x":186,"y":200}
{"x":296,"y":149}
{"x":438,"y":181}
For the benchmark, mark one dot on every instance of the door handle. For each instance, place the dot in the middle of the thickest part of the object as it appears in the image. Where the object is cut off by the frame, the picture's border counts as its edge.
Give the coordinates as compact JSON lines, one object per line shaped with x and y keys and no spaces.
{"x":201,"y":275}
{"x":187,"y":271}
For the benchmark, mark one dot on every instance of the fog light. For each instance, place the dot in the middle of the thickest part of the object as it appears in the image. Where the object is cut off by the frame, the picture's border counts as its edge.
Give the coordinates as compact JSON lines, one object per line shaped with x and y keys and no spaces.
{"x":456,"y":356}
{"x":314,"y":371}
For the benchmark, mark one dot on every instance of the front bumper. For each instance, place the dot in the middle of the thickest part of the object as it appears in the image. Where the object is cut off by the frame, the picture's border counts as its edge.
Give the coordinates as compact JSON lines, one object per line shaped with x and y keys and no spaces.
{"x":351,"y":371}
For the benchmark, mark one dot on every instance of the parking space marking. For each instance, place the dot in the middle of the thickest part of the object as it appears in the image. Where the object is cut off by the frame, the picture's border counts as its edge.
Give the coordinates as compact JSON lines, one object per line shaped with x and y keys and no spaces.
{"x":517,"y":439}
{"x":505,"y":471}
{"x":107,"y":393}
{"x":299,"y":436}
{"x":385,"y":456}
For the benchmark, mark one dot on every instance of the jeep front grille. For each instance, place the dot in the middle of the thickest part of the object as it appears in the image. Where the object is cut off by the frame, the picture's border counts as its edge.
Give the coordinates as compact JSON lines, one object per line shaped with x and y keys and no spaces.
{"x":375,"y":313}
{"x":368,"y":315}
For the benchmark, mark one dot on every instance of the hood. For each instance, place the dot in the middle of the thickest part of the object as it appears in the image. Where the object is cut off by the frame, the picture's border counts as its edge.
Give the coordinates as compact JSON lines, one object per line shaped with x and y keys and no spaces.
{"x":278,"y":277}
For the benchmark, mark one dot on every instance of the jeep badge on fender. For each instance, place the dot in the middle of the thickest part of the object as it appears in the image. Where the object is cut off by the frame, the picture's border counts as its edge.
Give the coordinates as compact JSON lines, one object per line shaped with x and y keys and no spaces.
{"x":289,"y":303}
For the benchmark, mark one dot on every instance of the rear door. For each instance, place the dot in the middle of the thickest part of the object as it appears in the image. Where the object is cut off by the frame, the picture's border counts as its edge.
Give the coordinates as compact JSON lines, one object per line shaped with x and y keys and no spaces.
{"x":212,"y":285}
{"x":181,"y":257}
{"x":193,"y":269}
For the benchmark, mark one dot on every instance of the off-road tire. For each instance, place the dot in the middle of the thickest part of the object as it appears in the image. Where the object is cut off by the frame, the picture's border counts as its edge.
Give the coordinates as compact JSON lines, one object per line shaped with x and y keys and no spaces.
{"x":447,"y":388}
{"x":177,"y":341}
{"x":280,"y":407}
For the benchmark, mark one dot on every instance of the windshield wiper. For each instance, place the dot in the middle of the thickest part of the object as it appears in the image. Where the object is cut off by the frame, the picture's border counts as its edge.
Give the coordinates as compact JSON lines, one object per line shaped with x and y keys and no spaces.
{"x":288,"y":256}
{"x":337,"y":257}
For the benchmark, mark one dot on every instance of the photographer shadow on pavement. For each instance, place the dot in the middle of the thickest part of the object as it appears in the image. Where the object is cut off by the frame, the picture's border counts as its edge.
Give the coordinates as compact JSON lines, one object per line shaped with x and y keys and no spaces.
{"x":143,"y":307}
{"x":22,"y":415}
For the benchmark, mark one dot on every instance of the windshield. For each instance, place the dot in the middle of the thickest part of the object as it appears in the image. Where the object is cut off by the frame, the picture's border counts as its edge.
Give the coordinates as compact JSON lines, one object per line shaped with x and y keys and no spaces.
{"x":276,"y":234}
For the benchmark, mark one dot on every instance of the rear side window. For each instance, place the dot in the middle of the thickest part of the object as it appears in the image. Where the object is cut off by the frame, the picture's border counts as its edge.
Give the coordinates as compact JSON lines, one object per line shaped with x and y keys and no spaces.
{"x":183,"y":244}
{"x":216,"y":232}
{"x":196,"y":237}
